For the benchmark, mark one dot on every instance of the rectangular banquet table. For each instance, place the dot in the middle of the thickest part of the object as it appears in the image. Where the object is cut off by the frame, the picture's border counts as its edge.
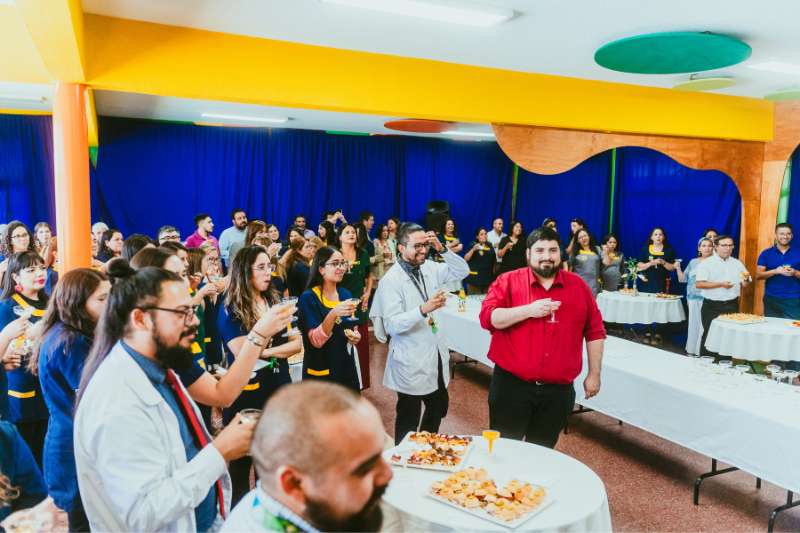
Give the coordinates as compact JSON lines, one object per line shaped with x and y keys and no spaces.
{"x":651,"y":389}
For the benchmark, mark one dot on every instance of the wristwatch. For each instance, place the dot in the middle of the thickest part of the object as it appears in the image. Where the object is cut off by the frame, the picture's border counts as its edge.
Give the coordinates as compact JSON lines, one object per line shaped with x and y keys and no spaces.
{"x":254,"y":340}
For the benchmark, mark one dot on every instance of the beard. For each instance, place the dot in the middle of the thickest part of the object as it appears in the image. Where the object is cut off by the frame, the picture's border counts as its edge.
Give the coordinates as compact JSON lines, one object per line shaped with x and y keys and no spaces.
{"x":546,"y":269}
{"x":174,"y":356}
{"x":370,"y":518}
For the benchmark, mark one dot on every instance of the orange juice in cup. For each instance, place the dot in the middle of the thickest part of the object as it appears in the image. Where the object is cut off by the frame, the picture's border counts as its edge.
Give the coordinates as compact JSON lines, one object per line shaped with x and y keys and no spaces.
{"x":491,"y":435}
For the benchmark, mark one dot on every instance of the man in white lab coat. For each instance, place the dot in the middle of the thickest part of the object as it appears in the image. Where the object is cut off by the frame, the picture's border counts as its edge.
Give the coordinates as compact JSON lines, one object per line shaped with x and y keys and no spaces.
{"x":406,"y":306}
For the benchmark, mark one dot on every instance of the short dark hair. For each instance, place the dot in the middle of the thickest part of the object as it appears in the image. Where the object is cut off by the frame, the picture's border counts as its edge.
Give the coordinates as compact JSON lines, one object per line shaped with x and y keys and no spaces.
{"x":784,"y":225}
{"x":543,"y":234}
{"x":612,"y":236}
{"x":233,"y":213}
{"x":327,"y":214}
{"x":133,"y":244}
{"x":722,"y":238}
{"x":405,"y":229}
{"x":710,"y":229}
{"x":299,"y":216}
{"x":174,"y":246}
{"x":365,"y":216}
{"x":549,"y":220}
{"x":199,"y":218}
{"x":167,"y":229}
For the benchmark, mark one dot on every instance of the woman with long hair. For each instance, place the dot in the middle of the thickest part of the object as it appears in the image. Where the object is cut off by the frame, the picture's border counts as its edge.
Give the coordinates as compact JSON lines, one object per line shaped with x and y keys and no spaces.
{"x":297,"y":262}
{"x":656,"y":261}
{"x":385,"y":252}
{"x":393,"y":224}
{"x":449,"y":237}
{"x":323,"y":309}
{"x":211,"y":268}
{"x":586,"y":260}
{"x":613,"y":263}
{"x":134,"y":244}
{"x":357,"y":280}
{"x":280,"y":278}
{"x":575,"y":224}
{"x":16,"y":238}
{"x":249,"y":295}
{"x":481,"y":259}
{"x":255,"y":228}
{"x":511,"y":249}
{"x":110,"y":245}
{"x":274,"y":233}
{"x":50,"y":255}
{"x":292,"y":233}
{"x":23,"y":286}
{"x":42,"y":233}
{"x":66,"y":337}
{"x":326,"y":232}
{"x":694,"y":297}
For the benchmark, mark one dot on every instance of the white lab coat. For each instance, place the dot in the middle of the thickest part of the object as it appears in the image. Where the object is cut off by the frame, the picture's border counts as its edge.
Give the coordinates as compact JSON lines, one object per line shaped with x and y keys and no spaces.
{"x":411,"y":367}
{"x":132,"y":468}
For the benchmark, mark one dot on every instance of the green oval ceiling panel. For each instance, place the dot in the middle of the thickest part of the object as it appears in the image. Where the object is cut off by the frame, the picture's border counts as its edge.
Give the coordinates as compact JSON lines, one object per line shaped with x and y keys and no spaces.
{"x":672,"y":53}
{"x":782,"y":95}
{"x":705,"y":84}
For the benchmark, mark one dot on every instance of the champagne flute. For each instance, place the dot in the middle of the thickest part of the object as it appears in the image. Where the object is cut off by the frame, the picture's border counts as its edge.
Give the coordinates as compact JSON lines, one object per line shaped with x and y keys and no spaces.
{"x":355,"y":302}
{"x":553,"y":314}
{"x":21,"y":342}
{"x":491,"y":435}
{"x":290,"y":329}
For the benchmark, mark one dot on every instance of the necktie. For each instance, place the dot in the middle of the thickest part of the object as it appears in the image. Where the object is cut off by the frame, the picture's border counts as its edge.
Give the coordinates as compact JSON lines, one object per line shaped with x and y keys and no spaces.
{"x":194,"y":426}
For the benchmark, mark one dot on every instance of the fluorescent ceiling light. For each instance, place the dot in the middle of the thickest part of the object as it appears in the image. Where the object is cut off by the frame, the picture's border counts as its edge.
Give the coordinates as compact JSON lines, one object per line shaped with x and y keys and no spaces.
{"x":455,"y":11}
{"x":778,"y":66}
{"x":21,"y":98}
{"x":469,"y":134}
{"x":237,"y":117}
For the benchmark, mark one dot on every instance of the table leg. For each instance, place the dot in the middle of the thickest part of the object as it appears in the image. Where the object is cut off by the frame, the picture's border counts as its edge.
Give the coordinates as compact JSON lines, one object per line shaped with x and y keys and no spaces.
{"x":466,"y":361}
{"x":581,"y":409}
{"x":774,"y":515}
{"x":714,"y":472}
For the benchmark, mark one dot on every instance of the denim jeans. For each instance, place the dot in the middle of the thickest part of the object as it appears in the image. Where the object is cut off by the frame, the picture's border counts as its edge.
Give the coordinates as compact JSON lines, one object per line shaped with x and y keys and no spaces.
{"x":783,"y":308}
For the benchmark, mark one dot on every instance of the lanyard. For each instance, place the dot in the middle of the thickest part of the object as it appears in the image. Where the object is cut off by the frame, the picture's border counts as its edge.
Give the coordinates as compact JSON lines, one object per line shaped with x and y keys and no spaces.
{"x":423,"y":292}
{"x":275,"y":523}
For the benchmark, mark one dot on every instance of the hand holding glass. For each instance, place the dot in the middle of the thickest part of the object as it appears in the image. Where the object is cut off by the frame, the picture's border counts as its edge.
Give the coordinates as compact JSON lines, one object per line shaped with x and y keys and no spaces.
{"x":290,"y":329}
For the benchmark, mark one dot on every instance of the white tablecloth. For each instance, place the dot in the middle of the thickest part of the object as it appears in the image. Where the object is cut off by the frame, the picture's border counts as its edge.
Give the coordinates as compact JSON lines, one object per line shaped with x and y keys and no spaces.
{"x":464,"y":332}
{"x":770,"y":340}
{"x":625,"y":308}
{"x":580,"y":497}
{"x":654,"y":390}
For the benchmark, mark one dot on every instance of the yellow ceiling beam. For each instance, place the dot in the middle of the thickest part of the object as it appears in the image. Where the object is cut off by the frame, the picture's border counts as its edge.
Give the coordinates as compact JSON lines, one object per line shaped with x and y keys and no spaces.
{"x":91,"y":118}
{"x":19,"y":60}
{"x":23,"y":112}
{"x":142,"y":57}
{"x":56,"y":29}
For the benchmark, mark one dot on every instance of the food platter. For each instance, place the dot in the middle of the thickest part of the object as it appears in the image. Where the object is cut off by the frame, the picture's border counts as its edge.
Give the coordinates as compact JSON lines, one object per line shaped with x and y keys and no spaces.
{"x":664,"y":296}
{"x":510,"y":503}
{"x":430,"y":451}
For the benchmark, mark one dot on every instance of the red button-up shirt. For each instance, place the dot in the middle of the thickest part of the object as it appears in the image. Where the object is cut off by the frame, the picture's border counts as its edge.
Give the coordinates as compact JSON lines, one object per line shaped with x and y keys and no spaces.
{"x":535,"y":349}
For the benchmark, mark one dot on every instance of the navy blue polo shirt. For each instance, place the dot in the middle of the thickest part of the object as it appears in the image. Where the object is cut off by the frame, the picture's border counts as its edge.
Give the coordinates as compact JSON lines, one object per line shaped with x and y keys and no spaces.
{"x":781,"y":286}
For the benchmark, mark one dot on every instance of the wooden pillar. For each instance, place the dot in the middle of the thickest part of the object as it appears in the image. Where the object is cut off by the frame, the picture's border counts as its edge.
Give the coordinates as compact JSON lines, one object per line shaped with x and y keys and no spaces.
{"x":71,"y":150}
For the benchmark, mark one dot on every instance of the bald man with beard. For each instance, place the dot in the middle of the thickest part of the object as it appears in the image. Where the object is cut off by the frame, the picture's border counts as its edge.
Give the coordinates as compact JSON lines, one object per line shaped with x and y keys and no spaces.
{"x":317,"y":450}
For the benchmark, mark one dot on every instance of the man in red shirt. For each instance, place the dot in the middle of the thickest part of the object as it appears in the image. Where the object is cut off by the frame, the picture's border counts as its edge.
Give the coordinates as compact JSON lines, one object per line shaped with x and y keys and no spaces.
{"x":536,"y":359}
{"x":203,"y":234}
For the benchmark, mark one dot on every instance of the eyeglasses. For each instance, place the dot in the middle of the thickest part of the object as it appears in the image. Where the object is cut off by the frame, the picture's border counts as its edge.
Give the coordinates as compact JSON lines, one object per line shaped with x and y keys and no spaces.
{"x":212,"y":259}
{"x":338,"y":265}
{"x":726,"y":245}
{"x":264,"y":268}
{"x":188,"y":314}
{"x":170,"y":238}
{"x":419,"y":246}
{"x":23,"y":236}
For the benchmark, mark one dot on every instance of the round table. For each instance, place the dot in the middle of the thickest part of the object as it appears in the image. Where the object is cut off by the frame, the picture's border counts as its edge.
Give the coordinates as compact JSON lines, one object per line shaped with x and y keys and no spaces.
{"x":625,"y":308}
{"x":762,"y":341}
{"x":580,"y":497}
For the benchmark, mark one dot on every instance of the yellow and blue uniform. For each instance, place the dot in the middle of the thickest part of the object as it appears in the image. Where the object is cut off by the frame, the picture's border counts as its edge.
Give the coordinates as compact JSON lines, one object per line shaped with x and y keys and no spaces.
{"x":331,"y":362}
{"x":657,"y":275}
{"x":18,"y":465}
{"x":481,"y":266}
{"x":52,"y":279}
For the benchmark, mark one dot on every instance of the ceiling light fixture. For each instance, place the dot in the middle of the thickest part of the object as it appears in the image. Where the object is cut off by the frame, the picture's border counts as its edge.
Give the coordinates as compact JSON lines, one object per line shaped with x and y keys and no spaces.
{"x":455,"y":11}
{"x":237,"y":117}
{"x":469,"y":134}
{"x":22,"y":98}
{"x":777,"y":66}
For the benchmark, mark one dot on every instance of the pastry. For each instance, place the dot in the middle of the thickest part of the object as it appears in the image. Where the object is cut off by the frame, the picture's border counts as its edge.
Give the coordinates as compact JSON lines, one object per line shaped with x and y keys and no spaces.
{"x":449,"y":482}
{"x":508,"y":513}
{"x":519,"y":494}
{"x":505,"y":493}
{"x":480,"y":493}
{"x":490,"y":498}
{"x":491,"y":489}
{"x":472,"y":501}
{"x":459,"y":495}
{"x":469,"y":489}
{"x":446,"y":493}
{"x":437,"y":485}
{"x":396,"y":458}
{"x":527,"y":488}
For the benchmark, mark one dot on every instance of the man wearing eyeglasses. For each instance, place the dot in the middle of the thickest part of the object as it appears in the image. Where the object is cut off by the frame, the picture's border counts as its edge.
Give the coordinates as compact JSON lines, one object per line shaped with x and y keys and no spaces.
{"x":720,"y":279}
{"x":168,"y":234}
{"x":407,"y":306}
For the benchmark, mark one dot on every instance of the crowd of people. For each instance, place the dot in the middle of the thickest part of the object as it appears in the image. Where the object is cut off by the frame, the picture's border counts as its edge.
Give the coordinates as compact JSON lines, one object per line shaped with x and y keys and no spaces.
{"x":130,"y":385}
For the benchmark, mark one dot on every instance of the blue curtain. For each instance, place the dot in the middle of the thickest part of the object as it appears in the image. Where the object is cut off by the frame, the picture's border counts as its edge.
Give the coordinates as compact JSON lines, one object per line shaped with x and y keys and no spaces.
{"x":583,"y":192}
{"x":151,"y":173}
{"x":27,"y":187}
{"x":655,"y":190}
{"x":793,"y":214}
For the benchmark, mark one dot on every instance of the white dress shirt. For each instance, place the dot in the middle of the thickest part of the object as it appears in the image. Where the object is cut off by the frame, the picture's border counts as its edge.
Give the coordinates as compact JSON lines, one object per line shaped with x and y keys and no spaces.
{"x":715,"y":270}
{"x":131,"y":461}
{"x":411,"y":366}
{"x":495,"y":240}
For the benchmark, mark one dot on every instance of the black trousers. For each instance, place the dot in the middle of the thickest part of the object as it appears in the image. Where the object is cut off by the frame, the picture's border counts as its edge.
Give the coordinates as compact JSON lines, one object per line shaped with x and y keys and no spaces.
{"x":518,"y":408}
{"x":712,"y":309}
{"x":78,"y":522}
{"x":239,"y":470}
{"x":409,"y":408}
{"x":33,"y":433}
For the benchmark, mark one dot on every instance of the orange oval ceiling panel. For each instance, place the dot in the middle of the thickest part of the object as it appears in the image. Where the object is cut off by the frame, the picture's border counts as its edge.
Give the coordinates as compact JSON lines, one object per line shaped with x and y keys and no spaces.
{"x":420,"y":126}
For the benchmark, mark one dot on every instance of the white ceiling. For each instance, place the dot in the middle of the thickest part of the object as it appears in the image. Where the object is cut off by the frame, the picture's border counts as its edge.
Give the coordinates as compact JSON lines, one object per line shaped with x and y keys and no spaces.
{"x":546,"y":36}
{"x":121,"y":104}
{"x":8,"y":88}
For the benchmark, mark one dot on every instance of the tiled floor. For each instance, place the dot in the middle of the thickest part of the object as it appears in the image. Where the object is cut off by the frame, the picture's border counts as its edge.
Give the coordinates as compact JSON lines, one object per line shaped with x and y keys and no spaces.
{"x":649,"y":480}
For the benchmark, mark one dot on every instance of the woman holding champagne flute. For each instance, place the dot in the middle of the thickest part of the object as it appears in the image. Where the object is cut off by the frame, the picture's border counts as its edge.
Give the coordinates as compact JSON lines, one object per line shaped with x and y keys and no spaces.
{"x":249,"y":296}
{"x":324,"y":310}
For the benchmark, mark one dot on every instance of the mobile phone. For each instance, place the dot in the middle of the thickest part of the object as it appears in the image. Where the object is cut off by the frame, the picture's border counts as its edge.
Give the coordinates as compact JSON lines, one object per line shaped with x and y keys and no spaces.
{"x":339,"y":210}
